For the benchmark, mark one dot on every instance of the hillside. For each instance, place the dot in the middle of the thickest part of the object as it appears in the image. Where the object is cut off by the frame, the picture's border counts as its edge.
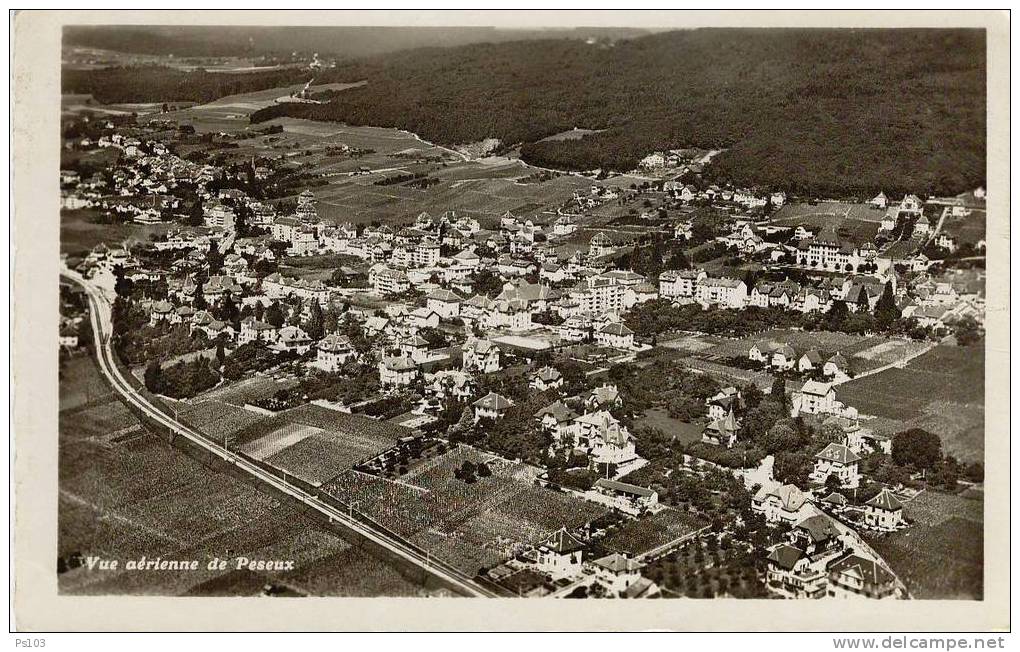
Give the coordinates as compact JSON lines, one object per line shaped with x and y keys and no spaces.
{"x":825,"y":111}
{"x":340,"y":41}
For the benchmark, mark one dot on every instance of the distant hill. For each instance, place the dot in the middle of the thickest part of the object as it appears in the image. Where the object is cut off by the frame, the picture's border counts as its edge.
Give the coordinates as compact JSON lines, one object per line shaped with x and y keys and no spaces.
{"x":336,"y":41}
{"x":805,"y":110}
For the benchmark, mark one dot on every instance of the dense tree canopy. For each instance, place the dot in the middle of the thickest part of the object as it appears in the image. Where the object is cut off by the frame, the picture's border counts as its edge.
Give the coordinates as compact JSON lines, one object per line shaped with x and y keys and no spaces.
{"x":825,"y":111}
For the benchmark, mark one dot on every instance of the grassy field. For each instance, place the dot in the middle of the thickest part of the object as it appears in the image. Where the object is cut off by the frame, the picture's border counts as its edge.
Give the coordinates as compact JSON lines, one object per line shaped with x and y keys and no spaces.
{"x":658,"y":418}
{"x":941,"y":391}
{"x":941,"y":555}
{"x":80,"y":232}
{"x":841,"y":210}
{"x":122,"y":499}
{"x":862,"y":352}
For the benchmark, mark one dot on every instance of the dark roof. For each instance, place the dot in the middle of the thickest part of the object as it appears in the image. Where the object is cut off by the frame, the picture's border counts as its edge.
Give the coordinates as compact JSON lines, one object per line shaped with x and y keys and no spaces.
{"x":885,"y":500}
{"x":786,"y":556}
{"x":819,"y":527}
{"x":867,"y":569}
{"x":563,"y":542}
{"x":623,"y":487}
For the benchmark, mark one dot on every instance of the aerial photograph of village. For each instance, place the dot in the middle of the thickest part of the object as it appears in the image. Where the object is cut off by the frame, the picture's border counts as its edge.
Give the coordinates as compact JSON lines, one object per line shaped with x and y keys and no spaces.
{"x":564,"y":313}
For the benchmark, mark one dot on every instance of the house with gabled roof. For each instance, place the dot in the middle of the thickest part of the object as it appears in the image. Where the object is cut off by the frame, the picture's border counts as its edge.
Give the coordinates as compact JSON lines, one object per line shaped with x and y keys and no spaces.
{"x":333,"y":352}
{"x":721,"y":432}
{"x":884,"y":511}
{"x":481,"y":356}
{"x":561,"y":555}
{"x":546,"y":378}
{"x":491,"y":406}
{"x":853,"y":576}
{"x":629,"y":498}
{"x":444,"y":303}
{"x":781,"y":504}
{"x":790,"y":573}
{"x":616,"y":572}
{"x":615,"y":335}
{"x":557,"y":418}
{"x":839,"y":461}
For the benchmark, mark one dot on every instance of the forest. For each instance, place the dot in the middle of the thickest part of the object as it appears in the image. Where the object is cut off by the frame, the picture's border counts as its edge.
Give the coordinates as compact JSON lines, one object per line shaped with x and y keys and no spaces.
{"x":808,"y":111}
{"x":150,"y":83}
{"x":836,"y":112}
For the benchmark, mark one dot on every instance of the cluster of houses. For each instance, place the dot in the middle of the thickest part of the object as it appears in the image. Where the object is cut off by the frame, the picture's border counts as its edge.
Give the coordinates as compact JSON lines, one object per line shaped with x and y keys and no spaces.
{"x":821,"y":556}
{"x":557,"y":567}
{"x":425,"y":275}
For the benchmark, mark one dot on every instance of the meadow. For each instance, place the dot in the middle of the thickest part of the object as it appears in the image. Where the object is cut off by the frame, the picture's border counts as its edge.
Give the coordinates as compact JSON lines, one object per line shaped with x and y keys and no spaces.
{"x":942,"y":391}
{"x":941,"y":555}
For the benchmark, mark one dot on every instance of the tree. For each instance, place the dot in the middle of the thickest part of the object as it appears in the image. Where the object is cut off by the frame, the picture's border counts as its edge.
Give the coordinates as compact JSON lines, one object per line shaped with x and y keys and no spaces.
{"x":779,"y":390}
{"x":154,"y":377}
{"x":837,"y":314}
{"x":274,"y":315}
{"x":886,"y":311}
{"x":221,"y":353}
{"x":199,"y":301}
{"x":832,"y":483}
{"x":917,"y":447}
{"x":968,"y":331}
{"x":315,"y":326}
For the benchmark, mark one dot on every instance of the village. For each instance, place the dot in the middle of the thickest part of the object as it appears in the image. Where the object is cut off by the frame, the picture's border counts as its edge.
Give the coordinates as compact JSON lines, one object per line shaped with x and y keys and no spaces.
{"x":649,"y":389}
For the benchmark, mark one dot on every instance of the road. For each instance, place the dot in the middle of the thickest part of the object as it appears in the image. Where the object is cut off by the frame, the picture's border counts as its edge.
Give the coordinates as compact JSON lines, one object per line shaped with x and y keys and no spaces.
{"x":101,"y":316}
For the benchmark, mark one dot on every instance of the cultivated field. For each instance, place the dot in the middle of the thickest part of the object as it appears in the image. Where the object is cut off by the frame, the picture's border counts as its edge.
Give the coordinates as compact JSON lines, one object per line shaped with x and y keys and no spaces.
{"x":245,"y":391}
{"x":125,"y":497}
{"x":941,"y":556}
{"x":470,"y":525}
{"x":808,"y":213}
{"x":941,"y":391}
{"x":315,"y":443}
{"x":643,"y":535}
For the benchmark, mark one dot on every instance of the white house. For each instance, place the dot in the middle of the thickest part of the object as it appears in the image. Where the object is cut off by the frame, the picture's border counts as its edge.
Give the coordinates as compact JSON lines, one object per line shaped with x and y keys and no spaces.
{"x":615,"y":335}
{"x":839,"y":461}
{"x":481,"y":356}
{"x":491,"y":406}
{"x":444,"y":303}
{"x":884,"y":511}
{"x":561,"y":555}
{"x":397,"y":371}
{"x":333,"y":352}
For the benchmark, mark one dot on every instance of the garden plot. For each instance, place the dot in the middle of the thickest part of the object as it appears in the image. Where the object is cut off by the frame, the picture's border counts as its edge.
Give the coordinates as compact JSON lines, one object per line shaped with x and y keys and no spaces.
{"x":645,"y":534}
{"x":276,"y":441}
{"x":470,"y":525}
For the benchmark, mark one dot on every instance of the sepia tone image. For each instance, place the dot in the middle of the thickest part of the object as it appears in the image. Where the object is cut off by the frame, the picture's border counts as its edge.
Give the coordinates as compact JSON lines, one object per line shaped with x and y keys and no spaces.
{"x":517,"y":313}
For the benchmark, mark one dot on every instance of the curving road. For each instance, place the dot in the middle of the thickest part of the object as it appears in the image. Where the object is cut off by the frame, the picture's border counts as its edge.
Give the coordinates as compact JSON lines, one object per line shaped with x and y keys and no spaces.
{"x":101,"y":317}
